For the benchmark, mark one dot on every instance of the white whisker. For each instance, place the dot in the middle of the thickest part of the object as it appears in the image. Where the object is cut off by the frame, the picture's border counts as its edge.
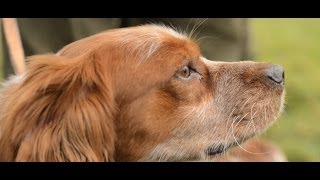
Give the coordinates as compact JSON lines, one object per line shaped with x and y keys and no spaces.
{"x":195,"y":27}
{"x":235,"y":139}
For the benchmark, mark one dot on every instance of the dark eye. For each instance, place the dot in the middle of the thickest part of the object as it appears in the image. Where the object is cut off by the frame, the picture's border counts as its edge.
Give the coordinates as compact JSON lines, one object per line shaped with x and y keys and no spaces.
{"x":185,"y":72}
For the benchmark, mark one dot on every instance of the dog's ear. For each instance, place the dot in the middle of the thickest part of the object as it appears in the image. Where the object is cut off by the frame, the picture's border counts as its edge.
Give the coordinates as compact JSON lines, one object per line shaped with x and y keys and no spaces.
{"x":62,"y":111}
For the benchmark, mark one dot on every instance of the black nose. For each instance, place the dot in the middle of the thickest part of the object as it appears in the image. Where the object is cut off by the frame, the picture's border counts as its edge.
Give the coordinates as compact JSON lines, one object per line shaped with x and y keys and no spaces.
{"x":275,"y":73}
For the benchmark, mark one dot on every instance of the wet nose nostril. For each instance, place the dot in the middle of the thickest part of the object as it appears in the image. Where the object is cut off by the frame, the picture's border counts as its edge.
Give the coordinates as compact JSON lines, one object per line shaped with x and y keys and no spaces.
{"x":275,"y":73}
{"x":275,"y":80}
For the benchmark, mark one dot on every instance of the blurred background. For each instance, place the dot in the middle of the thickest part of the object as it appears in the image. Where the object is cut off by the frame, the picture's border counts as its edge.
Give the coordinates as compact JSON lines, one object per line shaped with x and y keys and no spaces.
{"x":294,"y":44}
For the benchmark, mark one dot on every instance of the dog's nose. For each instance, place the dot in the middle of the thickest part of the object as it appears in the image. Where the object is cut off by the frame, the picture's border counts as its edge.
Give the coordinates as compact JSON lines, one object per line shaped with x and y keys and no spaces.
{"x":275,"y":73}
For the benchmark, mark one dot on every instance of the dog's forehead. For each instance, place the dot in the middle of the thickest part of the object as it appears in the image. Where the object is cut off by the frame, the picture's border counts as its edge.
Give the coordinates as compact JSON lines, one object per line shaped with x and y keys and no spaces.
{"x":145,"y":31}
{"x":166,"y":31}
{"x":147,"y":39}
{"x":152,"y":30}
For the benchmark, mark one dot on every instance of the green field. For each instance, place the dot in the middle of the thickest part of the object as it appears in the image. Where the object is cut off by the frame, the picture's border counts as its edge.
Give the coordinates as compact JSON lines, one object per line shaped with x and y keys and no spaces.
{"x":295,"y":44}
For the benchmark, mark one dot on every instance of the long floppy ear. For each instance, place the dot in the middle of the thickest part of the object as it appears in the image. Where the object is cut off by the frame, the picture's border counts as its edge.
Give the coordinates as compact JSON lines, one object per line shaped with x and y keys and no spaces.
{"x":61,"y":111}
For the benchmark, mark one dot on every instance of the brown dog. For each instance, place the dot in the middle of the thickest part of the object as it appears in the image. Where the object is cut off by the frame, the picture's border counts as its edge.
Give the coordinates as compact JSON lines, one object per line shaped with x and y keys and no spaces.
{"x":135,"y":94}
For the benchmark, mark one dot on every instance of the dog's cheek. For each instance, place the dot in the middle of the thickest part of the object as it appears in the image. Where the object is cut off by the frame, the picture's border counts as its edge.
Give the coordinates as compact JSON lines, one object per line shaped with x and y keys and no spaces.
{"x":145,"y":123}
{"x":186,"y":92}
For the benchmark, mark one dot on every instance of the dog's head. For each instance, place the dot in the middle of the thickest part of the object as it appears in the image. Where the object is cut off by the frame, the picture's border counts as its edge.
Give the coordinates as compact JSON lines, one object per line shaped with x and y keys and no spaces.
{"x":135,"y":94}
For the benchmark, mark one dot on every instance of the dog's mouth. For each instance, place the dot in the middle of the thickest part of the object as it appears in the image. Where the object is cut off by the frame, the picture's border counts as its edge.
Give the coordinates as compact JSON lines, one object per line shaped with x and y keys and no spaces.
{"x":221,"y":148}
{"x":218,"y":149}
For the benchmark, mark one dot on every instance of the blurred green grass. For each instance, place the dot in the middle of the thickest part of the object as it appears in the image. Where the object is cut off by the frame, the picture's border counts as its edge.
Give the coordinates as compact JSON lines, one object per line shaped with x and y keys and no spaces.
{"x":295,"y":44}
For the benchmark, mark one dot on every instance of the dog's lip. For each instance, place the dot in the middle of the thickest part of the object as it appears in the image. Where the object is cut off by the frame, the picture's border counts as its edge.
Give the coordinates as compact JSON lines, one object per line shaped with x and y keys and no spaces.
{"x":218,"y":149}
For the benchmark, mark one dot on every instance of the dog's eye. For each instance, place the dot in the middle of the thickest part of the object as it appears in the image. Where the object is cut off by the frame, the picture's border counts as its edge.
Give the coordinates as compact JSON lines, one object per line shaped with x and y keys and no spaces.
{"x":184,"y":73}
